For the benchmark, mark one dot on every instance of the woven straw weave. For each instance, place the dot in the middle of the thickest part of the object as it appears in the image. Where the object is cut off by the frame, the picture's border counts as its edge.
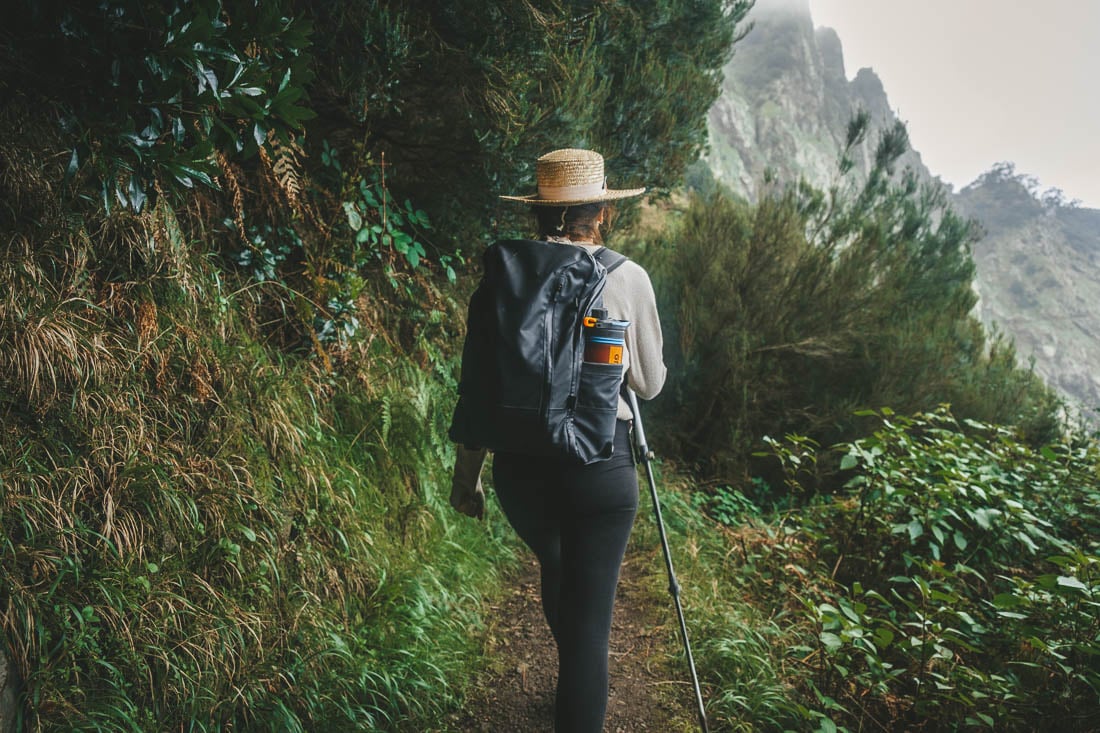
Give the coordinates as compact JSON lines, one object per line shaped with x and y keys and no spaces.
{"x":569,"y":167}
{"x":572,"y":167}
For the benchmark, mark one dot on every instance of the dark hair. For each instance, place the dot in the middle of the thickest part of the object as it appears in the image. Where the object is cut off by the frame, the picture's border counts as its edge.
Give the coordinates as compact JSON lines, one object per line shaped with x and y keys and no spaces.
{"x":576,"y":222}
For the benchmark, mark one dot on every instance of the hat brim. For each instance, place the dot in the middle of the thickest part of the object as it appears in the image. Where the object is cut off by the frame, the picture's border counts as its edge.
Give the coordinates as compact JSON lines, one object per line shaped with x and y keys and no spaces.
{"x":611,"y":195}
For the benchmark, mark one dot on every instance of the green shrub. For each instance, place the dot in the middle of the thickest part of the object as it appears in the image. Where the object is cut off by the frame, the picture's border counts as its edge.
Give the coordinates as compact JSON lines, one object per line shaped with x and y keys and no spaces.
{"x":966,"y":578}
{"x":788,"y":315}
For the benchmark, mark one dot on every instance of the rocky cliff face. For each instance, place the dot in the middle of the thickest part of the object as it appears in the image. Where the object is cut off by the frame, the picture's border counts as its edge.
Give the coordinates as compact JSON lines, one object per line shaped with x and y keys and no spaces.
{"x":1039,"y":280}
{"x":785,"y":106}
{"x":786,"y":103}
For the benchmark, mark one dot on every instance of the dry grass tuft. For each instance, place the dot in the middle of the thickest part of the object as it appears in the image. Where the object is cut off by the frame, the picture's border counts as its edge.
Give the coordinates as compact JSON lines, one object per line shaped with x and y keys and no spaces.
{"x":32,"y":160}
{"x":52,"y":339}
{"x":146,"y":325}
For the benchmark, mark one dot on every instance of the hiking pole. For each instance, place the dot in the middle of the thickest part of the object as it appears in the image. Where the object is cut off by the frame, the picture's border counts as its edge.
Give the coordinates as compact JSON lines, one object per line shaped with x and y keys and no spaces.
{"x":673,"y":586}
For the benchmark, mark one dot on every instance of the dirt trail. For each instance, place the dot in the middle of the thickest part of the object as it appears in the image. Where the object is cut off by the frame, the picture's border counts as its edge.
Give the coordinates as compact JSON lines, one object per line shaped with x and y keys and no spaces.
{"x":516,"y":695}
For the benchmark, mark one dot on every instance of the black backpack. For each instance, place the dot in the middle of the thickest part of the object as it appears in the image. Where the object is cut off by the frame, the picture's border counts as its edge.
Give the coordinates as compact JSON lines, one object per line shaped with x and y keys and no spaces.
{"x":525,"y":387}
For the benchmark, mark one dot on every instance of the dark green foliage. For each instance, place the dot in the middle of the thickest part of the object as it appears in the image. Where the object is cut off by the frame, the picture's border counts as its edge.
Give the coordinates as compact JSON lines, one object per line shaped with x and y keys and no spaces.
{"x":152,"y":93}
{"x":789,"y":315}
{"x":963,"y":575}
{"x":465,"y":95}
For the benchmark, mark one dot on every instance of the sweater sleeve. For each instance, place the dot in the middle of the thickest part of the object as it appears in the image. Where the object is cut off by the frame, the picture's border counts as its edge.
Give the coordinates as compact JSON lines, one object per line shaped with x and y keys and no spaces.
{"x":646,"y":372}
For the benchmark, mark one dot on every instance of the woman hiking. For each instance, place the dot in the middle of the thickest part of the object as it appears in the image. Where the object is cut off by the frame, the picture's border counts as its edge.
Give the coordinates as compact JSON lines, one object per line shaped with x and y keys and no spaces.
{"x":576,"y":516}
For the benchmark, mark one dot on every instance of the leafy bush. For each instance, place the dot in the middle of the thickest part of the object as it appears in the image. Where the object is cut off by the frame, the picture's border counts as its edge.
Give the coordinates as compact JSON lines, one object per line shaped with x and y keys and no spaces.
{"x":150,"y":95}
{"x":966,"y":577}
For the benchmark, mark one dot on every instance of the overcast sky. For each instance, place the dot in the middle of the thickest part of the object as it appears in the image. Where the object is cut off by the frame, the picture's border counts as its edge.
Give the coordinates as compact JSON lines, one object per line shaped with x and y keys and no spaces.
{"x":982,"y":81}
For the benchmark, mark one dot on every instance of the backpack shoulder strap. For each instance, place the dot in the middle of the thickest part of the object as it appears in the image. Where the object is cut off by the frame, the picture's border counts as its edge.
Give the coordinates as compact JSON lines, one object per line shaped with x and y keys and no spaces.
{"x":610,"y":259}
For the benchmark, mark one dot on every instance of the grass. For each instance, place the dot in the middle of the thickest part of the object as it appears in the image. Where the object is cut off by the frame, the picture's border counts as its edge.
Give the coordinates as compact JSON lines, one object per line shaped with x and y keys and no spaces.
{"x":204,"y":531}
{"x":740,"y":612}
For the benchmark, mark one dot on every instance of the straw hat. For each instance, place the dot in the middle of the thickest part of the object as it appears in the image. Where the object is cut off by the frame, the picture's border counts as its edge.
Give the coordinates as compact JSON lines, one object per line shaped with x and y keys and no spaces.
{"x":570,"y":177}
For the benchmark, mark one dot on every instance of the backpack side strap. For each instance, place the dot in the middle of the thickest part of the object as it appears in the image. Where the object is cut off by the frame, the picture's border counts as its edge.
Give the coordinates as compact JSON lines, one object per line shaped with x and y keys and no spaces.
{"x":609,"y":259}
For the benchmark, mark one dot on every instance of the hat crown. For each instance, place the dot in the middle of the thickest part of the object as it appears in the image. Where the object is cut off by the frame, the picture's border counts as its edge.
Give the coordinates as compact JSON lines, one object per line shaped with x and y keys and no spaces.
{"x":570,"y":173}
{"x":570,"y":177}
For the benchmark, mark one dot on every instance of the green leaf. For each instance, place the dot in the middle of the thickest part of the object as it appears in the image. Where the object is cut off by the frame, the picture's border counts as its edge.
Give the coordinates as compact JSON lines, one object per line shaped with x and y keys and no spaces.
{"x":198,"y":175}
{"x":982,"y":516}
{"x":916,"y":529}
{"x":831,"y":641}
{"x":884,"y":637}
{"x":848,"y":462}
{"x":355,"y":221}
{"x":1068,"y":581}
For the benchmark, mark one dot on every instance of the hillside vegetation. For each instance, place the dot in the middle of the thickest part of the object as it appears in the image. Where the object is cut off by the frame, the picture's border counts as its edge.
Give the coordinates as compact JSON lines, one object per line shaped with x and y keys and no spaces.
{"x":237,"y":244}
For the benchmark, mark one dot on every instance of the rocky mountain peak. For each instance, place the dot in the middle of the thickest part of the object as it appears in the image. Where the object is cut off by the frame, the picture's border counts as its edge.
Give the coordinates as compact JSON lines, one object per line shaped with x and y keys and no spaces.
{"x":786,"y":103}
{"x":832,"y":54}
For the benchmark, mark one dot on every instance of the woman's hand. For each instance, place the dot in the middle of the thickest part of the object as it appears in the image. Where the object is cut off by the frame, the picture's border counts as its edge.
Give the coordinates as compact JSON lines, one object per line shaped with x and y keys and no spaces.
{"x":467,"y":496}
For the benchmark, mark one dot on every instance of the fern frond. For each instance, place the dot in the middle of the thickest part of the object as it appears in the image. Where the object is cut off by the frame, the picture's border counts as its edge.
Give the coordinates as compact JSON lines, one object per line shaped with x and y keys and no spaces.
{"x":285,"y":165}
{"x":234,"y":186}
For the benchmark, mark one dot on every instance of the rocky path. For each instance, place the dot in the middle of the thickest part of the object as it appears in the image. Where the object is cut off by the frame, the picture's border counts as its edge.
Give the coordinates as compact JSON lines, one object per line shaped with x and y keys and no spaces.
{"x":517,"y":693}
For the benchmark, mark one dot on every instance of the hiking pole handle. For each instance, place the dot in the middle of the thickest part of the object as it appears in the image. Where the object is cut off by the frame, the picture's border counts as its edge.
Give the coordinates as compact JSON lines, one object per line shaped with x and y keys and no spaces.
{"x":673,"y":585}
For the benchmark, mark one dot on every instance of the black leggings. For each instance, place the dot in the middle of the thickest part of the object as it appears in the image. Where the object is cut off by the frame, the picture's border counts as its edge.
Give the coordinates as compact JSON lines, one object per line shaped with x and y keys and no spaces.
{"x":577,"y":520}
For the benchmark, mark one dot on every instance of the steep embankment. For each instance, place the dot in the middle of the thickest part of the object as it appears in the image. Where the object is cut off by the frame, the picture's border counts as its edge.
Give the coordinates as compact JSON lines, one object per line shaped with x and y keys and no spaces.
{"x":199,"y":528}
